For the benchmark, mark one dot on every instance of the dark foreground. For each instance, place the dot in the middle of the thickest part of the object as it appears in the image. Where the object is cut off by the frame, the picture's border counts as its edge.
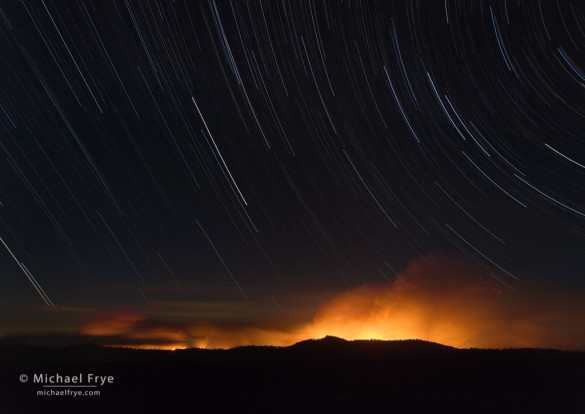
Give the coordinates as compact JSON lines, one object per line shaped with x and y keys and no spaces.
{"x":325,"y":376}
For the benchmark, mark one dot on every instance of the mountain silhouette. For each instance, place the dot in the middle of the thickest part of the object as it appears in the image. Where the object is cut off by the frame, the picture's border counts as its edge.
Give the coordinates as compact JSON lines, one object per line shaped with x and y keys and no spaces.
{"x":329,"y":375}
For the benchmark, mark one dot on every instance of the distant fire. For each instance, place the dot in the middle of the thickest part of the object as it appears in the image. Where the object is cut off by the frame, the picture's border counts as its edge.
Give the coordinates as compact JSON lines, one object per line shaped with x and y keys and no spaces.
{"x":436,"y":298}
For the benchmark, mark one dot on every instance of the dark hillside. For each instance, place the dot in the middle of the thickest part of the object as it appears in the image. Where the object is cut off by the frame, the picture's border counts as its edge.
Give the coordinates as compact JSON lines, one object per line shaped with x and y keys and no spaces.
{"x":327,"y":375}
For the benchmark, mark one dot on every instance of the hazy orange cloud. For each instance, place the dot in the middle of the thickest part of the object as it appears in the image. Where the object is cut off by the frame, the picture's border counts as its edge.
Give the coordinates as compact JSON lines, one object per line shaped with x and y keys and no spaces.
{"x":442,"y":299}
{"x":439,"y":298}
{"x":116,"y":322}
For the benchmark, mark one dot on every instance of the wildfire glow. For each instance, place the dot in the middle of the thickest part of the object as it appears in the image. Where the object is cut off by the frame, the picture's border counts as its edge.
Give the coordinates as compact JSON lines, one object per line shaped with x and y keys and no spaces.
{"x":435,"y":299}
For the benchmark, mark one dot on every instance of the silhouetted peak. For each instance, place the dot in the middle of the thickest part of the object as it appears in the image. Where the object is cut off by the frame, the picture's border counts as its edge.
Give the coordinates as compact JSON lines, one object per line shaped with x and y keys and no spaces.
{"x":332,"y":339}
{"x":325,"y":341}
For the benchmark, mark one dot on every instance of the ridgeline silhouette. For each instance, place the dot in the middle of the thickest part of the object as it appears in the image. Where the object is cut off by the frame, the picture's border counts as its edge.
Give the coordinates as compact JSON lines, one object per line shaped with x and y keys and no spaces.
{"x":330,"y":375}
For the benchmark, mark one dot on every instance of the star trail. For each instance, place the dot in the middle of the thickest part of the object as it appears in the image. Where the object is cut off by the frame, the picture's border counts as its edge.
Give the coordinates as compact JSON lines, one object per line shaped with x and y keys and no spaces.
{"x":234,"y":161}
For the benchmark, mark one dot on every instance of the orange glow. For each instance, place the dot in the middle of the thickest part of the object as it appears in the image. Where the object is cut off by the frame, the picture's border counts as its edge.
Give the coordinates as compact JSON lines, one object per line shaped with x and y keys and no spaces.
{"x":112,"y":323}
{"x":147,"y":346}
{"x":436,"y":298}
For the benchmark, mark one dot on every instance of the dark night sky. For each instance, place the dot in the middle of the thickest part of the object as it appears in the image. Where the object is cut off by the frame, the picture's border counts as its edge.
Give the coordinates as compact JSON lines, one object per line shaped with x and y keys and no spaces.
{"x":184,"y":158}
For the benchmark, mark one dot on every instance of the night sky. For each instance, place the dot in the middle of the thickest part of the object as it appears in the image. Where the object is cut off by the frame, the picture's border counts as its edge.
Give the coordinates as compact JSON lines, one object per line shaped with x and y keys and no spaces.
{"x":172,"y":165}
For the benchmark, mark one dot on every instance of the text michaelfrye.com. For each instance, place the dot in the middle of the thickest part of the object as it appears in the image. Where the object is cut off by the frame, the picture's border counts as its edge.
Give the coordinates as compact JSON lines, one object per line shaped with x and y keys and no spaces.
{"x":67,"y":385}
